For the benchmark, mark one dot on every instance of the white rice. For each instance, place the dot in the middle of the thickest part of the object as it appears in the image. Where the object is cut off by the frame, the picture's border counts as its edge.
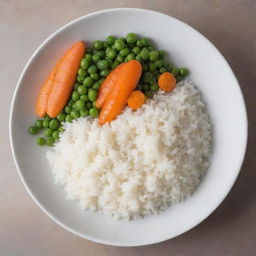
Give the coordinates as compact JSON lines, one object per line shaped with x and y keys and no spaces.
{"x":140,"y":163}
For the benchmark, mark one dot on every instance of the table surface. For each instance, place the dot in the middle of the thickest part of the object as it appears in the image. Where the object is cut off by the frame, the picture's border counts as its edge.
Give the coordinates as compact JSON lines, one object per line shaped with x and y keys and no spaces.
{"x":26,"y":230}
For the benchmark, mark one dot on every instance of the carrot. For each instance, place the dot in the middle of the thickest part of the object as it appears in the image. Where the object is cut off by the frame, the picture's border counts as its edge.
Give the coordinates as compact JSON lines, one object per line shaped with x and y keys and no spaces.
{"x":106,"y":86}
{"x":136,"y":99}
{"x":167,"y":81}
{"x":42,"y":98}
{"x":64,"y":79}
{"x":128,"y":78}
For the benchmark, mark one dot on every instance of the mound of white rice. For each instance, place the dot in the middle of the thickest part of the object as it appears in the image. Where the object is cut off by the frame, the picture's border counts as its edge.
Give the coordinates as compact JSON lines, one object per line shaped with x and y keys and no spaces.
{"x":142,"y":162}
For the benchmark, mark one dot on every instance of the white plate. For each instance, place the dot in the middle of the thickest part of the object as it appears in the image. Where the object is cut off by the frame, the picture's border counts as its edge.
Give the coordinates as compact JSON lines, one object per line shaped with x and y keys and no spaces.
{"x":211,"y":74}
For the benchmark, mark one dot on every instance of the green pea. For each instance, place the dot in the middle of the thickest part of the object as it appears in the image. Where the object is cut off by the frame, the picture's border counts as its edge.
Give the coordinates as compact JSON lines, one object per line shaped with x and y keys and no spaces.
{"x":139,"y":43}
{"x":74,"y":114}
{"x":76,"y":85}
{"x":68,"y":109}
{"x":144,"y":54}
{"x":159,"y":63}
{"x":97,"y":45}
{"x":95,"y":58}
{"x":46,"y":123}
{"x":161,"y":53}
{"x":111,"y":54}
{"x":169,"y":67}
{"x":88,"y":105}
{"x":95,"y":76}
{"x":130,"y":56}
{"x":144,"y":42}
{"x":162,"y":70}
{"x":136,"y":50}
{"x":179,"y":78}
{"x":100,"y":53}
{"x":54,"y":124}
{"x":114,"y":64}
{"x":39,"y":124}
{"x":70,"y":102}
{"x":75,"y":95}
{"x":84,"y":98}
{"x":131,"y":38}
{"x":94,"y":112}
{"x":61,"y":129}
{"x":88,"y":82}
{"x":152,"y":67}
{"x":81,"y":72}
{"x":50,"y":141}
{"x":61,"y":117}
{"x":94,"y":104}
{"x":89,"y":50}
{"x":79,"y":105}
{"x":184,"y":71}
{"x":69,"y":118}
{"x":96,"y":86}
{"x":104,"y":72}
{"x":55,"y":135}
{"x":124,"y":52}
{"x":88,"y":57}
{"x":110,"y":40}
{"x":151,"y":48}
{"x":119,"y":44}
{"x":40,"y":141}
{"x":119,"y":58}
{"x":84,"y":112}
{"x":82,"y":90}
{"x":154,"y":87}
{"x":105,"y":45}
{"x":145,"y":87}
{"x":32,"y":130}
{"x":84,"y":63}
{"x":92,"y":94}
{"x":138,"y":58}
{"x":153,"y":56}
{"x":79,"y":79}
{"x":48,"y":132}
{"x":149,"y":94}
{"x":92,"y":69}
{"x":47,"y":118}
{"x":102,"y":64}
{"x":147,"y":76}
{"x":175,"y":71}
{"x":122,"y":39}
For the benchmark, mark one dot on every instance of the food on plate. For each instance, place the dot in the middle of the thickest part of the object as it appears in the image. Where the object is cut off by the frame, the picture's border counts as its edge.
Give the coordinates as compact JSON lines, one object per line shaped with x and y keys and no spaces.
{"x":121,"y":90}
{"x":130,"y":137}
{"x":64,"y":101}
{"x":140,"y":163}
{"x":136,"y":99}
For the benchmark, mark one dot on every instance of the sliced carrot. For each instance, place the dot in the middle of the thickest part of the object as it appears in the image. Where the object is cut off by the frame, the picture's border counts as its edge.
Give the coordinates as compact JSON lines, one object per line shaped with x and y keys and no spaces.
{"x":64,"y":79}
{"x":126,"y":82}
{"x":42,"y":98}
{"x":106,"y":86}
{"x":136,"y":99}
{"x":167,"y":81}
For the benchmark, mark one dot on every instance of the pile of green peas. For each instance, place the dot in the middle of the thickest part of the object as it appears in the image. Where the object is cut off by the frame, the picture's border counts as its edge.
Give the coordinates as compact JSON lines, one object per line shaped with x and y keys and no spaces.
{"x":99,"y":60}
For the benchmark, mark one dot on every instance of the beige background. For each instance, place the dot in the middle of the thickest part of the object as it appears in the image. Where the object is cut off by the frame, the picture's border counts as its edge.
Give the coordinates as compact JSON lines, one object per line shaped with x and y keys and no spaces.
{"x":26,"y":230}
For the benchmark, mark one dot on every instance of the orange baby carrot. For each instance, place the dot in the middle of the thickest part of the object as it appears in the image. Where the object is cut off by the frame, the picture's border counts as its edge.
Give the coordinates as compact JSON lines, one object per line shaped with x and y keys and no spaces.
{"x":126,"y":82}
{"x":106,"y":86}
{"x":42,"y":98}
{"x":136,"y":99}
{"x":167,"y":81}
{"x":64,"y":79}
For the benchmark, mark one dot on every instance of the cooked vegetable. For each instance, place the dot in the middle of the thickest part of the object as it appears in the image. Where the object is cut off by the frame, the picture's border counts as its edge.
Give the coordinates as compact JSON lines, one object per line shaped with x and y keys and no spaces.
{"x":107,"y":85}
{"x":64,"y":79}
{"x":42,"y":98}
{"x":40,"y":141}
{"x":167,"y":81}
{"x":126,"y":82}
{"x":136,"y":99}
